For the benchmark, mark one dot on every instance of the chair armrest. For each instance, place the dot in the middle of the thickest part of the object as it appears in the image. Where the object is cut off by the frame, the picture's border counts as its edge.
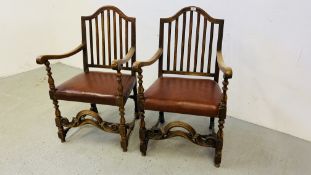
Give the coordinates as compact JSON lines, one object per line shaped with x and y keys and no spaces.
{"x":117,"y":64}
{"x":44,"y":58}
{"x":139,"y":64}
{"x":221,"y":64}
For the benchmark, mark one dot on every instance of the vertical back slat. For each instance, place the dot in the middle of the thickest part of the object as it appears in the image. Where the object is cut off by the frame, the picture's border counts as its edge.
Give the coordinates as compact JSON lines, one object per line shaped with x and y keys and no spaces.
{"x":161,"y":38}
{"x":219,"y":46}
{"x":196,"y":43}
{"x":169,"y":45}
{"x":189,"y":40}
{"x":103,"y":37}
{"x":91,"y":41}
{"x":109,"y":36}
{"x":183,"y":41}
{"x":97,"y":39}
{"x":203,"y":45}
{"x":133,"y":40}
{"x":175,"y":44}
{"x":120,"y":37}
{"x":220,"y":35}
{"x":210,"y":48}
{"x":126,"y":39}
{"x":115,"y":54}
{"x":84,"y":41}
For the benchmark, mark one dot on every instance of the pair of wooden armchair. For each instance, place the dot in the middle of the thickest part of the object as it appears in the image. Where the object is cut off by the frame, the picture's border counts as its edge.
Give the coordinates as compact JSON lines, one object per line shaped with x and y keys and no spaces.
{"x":109,"y":41}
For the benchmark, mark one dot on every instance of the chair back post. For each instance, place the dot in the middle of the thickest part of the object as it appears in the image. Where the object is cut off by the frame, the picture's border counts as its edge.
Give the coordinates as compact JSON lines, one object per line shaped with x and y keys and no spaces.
{"x":160,"y":64}
{"x":219,"y":47}
{"x":133,"y":43}
{"x":83,"y":31}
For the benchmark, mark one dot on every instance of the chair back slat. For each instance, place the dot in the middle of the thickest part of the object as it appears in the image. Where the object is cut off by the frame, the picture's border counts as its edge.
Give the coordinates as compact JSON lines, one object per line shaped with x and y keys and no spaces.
{"x":189,"y":41}
{"x":203,"y":45}
{"x":109,"y":37}
{"x":196,"y":43}
{"x":219,"y":47}
{"x":97,"y":39}
{"x":160,"y":65}
{"x":183,"y":41}
{"x":126,"y":39}
{"x":91,"y":41}
{"x":120,"y":36}
{"x":169,"y":45}
{"x":115,"y":53}
{"x":103,"y":38}
{"x":176,"y":44}
{"x":187,"y":50}
{"x":210,"y":48}
{"x":106,"y":39}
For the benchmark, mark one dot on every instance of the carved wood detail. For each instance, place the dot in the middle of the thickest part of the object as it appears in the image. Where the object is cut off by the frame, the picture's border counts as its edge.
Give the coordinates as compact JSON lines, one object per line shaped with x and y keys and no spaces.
{"x":61,"y":132}
{"x":221,"y":122}
{"x":142,"y":130}
{"x":161,"y":133}
{"x":95,"y":120}
{"x":120,"y":103}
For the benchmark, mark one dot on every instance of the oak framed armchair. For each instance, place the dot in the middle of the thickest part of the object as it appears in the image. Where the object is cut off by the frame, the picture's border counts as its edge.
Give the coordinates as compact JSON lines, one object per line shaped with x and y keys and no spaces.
{"x":108,"y":42}
{"x":186,"y":58}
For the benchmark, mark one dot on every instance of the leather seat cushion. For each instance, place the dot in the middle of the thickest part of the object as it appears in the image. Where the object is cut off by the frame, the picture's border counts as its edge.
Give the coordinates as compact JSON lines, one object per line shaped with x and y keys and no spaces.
{"x":95,"y":87}
{"x":183,"y":95}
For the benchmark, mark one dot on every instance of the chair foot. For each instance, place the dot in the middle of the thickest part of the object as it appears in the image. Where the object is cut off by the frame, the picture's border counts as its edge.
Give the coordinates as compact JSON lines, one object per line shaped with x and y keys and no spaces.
{"x":212,"y":123}
{"x":136,"y":115}
{"x":218,"y":153}
{"x":143,"y":141}
{"x":62,"y":136}
{"x":143,"y":153}
{"x":143,"y":148}
{"x":161,"y":117}
{"x":217,"y":159}
{"x":217,"y":165}
{"x":124,"y":138}
{"x":124,"y":145}
{"x":94,"y":108}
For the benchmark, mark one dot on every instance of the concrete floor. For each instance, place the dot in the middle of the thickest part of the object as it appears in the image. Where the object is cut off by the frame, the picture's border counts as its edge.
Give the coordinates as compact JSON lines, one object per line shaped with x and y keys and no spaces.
{"x":29,"y":143}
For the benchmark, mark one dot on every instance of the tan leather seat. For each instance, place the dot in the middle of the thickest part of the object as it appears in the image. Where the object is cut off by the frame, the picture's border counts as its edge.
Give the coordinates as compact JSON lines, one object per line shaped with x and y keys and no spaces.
{"x":183,"y":95}
{"x":94,"y":87}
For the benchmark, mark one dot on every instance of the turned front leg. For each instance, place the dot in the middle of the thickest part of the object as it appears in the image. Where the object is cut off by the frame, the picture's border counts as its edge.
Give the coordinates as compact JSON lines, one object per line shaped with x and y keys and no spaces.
{"x":219,"y":142}
{"x":142,"y":130}
{"x":58,"y":122}
{"x":58,"y":117}
{"x":122,"y":130}
{"x":120,"y":103}
{"x":221,"y":121}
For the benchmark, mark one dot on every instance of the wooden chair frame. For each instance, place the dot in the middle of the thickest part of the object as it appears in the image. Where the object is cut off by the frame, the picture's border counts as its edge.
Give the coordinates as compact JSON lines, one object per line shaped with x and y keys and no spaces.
{"x":213,"y":139}
{"x":122,"y":128}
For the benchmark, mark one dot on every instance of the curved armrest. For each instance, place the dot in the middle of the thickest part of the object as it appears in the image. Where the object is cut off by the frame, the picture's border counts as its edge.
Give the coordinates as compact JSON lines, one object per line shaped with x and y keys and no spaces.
{"x":139,"y":64}
{"x":44,"y":58}
{"x":221,"y":64}
{"x":117,"y":64}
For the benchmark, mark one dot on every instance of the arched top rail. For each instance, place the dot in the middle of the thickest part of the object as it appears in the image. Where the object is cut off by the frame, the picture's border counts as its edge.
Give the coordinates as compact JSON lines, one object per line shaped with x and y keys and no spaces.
{"x":193,"y":9}
{"x":113,"y":8}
